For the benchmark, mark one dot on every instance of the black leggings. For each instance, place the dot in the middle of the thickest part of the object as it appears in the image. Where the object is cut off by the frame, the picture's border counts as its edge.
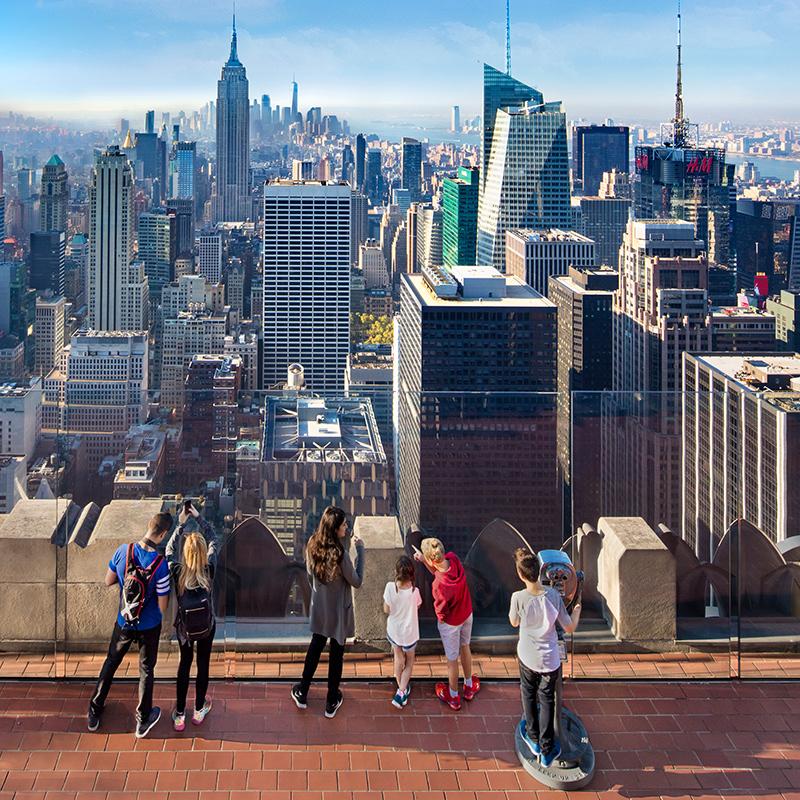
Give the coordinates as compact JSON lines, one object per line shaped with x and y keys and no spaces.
{"x":335,"y":664}
{"x":184,"y":668}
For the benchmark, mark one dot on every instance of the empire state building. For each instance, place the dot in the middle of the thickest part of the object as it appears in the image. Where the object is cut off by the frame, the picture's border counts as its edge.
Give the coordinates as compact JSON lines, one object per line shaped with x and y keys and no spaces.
{"x":231,"y":201}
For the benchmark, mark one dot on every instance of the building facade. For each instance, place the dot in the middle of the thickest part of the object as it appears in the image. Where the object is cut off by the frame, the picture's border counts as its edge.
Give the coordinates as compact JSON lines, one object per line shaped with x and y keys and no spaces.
{"x":306,"y":309}
{"x":584,"y":299}
{"x":460,"y":216}
{"x":496,"y":447}
{"x":232,"y":202}
{"x":741,"y":440}
{"x":597,"y":149}
{"x":114,"y":288}
{"x":536,"y":256}
{"x":54,"y":196}
{"x":527,"y":178}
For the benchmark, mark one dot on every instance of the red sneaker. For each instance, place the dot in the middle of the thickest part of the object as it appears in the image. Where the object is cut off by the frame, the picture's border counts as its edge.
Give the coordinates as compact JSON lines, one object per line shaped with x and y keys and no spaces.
{"x":471,"y":691}
{"x":443,"y":693}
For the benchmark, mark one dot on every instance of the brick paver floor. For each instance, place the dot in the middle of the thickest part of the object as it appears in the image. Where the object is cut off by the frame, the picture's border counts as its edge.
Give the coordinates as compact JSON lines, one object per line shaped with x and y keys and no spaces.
{"x":265,"y":666}
{"x":651,"y":739}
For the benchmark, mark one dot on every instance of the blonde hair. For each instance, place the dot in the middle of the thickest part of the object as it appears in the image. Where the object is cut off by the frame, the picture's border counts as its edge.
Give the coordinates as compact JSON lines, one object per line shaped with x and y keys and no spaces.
{"x":193,"y":573}
{"x":432,"y":549}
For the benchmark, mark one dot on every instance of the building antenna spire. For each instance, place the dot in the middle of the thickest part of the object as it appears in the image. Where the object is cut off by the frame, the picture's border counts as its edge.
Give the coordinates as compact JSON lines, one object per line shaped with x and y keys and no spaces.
{"x":234,"y":56}
{"x":508,"y":37}
{"x":680,"y":122}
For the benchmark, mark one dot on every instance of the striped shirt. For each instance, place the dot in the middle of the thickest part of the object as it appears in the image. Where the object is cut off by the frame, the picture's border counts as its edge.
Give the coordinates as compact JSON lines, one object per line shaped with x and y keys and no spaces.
{"x":158,"y":587}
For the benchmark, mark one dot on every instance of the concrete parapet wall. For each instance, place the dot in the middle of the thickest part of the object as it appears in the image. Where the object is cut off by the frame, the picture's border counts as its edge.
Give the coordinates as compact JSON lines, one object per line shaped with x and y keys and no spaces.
{"x":30,"y":564}
{"x":636,"y":580}
{"x":384,"y":545}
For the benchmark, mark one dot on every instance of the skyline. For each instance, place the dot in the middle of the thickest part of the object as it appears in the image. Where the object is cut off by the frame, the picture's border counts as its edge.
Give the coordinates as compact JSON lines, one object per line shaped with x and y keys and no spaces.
{"x":618,"y":64}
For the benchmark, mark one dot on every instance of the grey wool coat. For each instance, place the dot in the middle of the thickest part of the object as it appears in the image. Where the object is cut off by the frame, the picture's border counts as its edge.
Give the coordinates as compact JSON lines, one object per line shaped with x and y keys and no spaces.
{"x":331,"y":612}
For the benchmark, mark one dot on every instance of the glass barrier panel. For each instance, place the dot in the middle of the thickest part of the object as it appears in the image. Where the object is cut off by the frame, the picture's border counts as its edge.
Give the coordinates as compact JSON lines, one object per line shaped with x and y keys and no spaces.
{"x":637,"y":478}
{"x":764,"y":537}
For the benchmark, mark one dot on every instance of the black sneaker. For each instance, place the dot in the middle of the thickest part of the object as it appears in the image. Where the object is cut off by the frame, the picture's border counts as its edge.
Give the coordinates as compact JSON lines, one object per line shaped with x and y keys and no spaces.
{"x":93,"y":721}
{"x":144,"y":727}
{"x":332,"y":707}
{"x":298,"y":697}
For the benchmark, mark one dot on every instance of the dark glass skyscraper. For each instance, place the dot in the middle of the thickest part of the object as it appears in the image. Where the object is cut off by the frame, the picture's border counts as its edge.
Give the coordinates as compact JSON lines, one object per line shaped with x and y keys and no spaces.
{"x":374,"y":184}
{"x":597,"y":149}
{"x":411,"y":167}
{"x":47,"y":261}
{"x":501,"y":91}
{"x":232,"y":202}
{"x":496,"y":447}
{"x":360,"y":165}
{"x":460,"y":216}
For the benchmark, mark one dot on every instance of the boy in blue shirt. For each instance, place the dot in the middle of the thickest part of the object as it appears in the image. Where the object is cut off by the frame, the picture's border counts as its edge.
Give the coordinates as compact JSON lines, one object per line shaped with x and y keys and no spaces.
{"x":145,"y":630}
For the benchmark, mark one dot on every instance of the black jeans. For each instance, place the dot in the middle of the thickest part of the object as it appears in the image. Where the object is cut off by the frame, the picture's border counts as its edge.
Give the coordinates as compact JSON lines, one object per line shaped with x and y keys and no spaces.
{"x":335,"y":664}
{"x":121,"y":641}
{"x":539,"y":688}
{"x":184,"y":667}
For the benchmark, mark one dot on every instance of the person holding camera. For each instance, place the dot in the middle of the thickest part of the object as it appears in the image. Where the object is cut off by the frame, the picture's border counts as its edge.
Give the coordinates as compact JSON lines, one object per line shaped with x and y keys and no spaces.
{"x":143,"y":578}
{"x":192,"y":558}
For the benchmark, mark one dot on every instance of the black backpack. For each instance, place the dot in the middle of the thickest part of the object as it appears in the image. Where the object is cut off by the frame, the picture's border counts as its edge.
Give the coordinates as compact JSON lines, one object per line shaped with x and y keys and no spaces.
{"x":195,"y":613}
{"x":134,"y":587}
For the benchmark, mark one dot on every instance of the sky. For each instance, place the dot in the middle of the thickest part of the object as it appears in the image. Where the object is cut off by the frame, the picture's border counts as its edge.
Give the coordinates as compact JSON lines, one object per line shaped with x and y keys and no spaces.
{"x":95,"y":60}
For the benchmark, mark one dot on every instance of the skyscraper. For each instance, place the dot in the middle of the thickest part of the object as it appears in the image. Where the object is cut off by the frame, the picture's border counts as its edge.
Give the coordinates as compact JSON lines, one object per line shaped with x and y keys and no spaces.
{"x":584,"y":298}
{"x":48,"y":331}
{"x":373,"y":179}
{"x":266,"y":113}
{"x":603,"y":220}
{"x":182,"y":168}
{"x":157,"y":239}
{"x":209,"y":257}
{"x":411,"y":167}
{"x":500,"y":90}
{"x":294,"y":99}
{"x":113,"y":287}
{"x":54,"y":196}
{"x":498,"y":447}
{"x":455,"y":119}
{"x":660,"y":312}
{"x":150,"y":122}
{"x":79,"y":399}
{"x":597,"y":149}
{"x":536,"y":256}
{"x":527,"y":181}
{"x":681,"y":180}
{"x":428,"y":239}
{"x":306,"y":312}
{"x":360,"y":165}
{"x":48,"y":261}
{"x":232,"y":202}
{"x":460,"y":216}
{"x":741,"y":434}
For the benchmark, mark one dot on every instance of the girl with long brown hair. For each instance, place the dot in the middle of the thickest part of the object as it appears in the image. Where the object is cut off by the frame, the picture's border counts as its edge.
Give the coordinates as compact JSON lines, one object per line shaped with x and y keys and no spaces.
{"x":192,"y":559}
{"x":333,"y":578}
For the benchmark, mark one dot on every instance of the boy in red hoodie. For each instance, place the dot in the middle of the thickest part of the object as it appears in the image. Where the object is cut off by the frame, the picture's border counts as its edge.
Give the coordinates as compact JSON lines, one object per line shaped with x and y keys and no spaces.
{"x":453,"y":606}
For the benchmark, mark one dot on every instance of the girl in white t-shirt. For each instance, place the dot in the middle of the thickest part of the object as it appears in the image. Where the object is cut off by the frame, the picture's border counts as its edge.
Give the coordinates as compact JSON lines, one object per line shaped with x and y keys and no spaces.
{"x":401,"y":601}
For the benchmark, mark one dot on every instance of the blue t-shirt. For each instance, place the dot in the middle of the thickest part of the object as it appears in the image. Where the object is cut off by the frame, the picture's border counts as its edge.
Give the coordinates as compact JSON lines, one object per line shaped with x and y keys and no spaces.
{"x":157,"y":587}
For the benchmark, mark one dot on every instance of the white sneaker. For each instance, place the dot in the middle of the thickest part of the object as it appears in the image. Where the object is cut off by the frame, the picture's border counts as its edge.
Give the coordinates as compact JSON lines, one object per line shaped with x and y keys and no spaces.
{"x":199,"y":716}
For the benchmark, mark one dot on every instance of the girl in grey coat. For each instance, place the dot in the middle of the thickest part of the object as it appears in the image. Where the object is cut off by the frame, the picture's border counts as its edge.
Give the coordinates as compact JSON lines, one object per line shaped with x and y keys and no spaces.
{"x":333,"y":577}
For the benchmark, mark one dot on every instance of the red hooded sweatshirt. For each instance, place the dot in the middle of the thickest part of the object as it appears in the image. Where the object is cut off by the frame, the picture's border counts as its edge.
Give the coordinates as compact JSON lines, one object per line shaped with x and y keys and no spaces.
{"x":451,"y":599}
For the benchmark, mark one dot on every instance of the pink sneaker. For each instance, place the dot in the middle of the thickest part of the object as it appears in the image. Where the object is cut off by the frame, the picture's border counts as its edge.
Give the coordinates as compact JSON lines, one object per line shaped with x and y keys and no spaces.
{"x":178,"y":721}
{"x":199,"y":716}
